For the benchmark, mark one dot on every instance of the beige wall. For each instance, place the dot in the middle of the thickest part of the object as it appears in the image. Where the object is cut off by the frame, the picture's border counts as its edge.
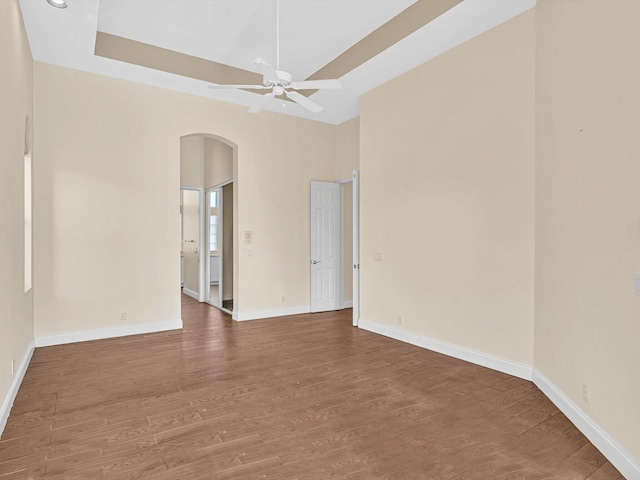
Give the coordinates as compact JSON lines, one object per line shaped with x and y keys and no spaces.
{"x":191,"y":239}
{"x":587,"y":208}
{"x":192,"y":151}
{"x":447,"y":196}
{"x":16,"y":77}
{"x":204,"y":162}
{"x":108,"y":192}
{"x":347,"y":160}
{"x":218,"y":162}
{"x":192,"y":161}
{"x":347,"y":148}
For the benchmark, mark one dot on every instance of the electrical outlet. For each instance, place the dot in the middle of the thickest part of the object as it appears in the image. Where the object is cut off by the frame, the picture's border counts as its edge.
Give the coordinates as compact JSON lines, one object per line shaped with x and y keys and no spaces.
{"x":13,"y":367}
{"x":282,"y":300}
{"x":585,"y":392}
{"x":123,"y":317}
{"x":400,"y":320}
{"x":378,"y":256}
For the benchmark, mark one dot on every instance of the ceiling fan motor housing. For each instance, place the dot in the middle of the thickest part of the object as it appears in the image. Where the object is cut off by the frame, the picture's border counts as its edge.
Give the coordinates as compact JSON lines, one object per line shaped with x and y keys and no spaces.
{"x":284,"y":78}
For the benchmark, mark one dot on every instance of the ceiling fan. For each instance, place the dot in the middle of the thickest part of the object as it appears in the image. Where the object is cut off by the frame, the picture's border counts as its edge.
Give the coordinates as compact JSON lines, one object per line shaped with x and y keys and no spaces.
{"x":281,"y":82}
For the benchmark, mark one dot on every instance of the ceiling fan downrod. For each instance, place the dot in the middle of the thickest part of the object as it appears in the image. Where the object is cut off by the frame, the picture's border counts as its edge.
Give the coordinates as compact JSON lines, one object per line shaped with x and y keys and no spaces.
{"x":277,"y":34}
{"x":281,"y":83}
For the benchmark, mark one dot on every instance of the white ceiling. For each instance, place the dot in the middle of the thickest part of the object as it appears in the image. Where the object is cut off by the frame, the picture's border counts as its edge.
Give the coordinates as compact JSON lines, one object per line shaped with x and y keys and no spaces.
{"x":237,"y":32}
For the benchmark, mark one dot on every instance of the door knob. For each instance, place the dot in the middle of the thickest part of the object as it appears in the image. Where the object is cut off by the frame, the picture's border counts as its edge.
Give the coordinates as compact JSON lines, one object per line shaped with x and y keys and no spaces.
{"x":315,"y":261}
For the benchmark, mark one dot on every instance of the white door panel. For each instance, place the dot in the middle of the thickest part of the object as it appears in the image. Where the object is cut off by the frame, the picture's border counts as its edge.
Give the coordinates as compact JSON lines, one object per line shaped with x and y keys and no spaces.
{"x":325,"y":246}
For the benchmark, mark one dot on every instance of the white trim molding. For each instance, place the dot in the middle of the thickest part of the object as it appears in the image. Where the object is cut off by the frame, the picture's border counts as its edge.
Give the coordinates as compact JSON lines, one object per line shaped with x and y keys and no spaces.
{"x":103,"y":333}
{"x":612,"y":450}
{"x":500,"y":364}
{"x":280,"y":312}
{"x":15,"y":386}
{"x":191,"y":293}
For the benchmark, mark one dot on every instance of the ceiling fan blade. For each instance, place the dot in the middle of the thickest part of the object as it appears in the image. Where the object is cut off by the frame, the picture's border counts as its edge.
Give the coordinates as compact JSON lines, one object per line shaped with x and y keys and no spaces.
{"x":269,"y":74}
{"x":304,"y":101}
{"x":253,"y":87}
{"x":257,"y":108}
{"x":316,"y":84}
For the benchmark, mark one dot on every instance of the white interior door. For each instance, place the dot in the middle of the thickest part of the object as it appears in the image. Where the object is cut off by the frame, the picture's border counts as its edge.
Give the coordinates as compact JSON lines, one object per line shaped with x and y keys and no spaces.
{"x":325,"y":246}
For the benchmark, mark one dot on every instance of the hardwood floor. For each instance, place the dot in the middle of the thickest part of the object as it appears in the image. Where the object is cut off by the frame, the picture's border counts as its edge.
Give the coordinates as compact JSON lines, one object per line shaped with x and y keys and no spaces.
{"x":304,"y":397}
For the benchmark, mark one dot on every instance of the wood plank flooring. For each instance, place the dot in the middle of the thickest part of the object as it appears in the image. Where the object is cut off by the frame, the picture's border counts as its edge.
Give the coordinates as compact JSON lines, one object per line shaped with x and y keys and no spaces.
{"x":306,"y":397}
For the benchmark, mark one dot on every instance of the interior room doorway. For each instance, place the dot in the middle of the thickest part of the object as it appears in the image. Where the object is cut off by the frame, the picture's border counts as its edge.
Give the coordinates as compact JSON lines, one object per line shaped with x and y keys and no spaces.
{"x":326,"y":246}
{"x":208,"y":165}
{"x":190,"y":241}
{"x":220,"y":236}
{"x":227,"y":237}
{"x":335,"y":245}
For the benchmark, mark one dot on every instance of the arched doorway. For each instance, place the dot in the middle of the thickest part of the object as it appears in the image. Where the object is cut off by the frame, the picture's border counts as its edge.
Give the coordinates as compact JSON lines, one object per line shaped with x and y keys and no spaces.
{"x":208,"y":220}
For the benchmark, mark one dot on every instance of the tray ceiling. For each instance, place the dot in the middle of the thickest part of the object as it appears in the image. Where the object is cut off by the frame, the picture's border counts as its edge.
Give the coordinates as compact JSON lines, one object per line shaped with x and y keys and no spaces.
{"x":186,"y":45}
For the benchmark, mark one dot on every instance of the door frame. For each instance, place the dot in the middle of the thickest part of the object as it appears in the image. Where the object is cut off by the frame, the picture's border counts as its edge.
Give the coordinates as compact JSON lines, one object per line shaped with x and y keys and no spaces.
{"x":355,"y":221}
{"x":342,"y":232}
{"x":355,"y":205}
{"x":202,"y":237}
{"x":220,"y":243}
{"x":207,"y":266}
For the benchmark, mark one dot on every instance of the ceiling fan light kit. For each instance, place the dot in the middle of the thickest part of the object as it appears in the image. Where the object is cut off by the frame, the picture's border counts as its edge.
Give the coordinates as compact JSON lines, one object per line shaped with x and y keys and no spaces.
{"x":281,"y":83}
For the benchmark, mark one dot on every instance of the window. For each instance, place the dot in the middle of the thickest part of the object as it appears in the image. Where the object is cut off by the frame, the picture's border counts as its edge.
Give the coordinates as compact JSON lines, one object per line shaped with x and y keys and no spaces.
{"x":213,"y":221}
{"x":28,"y":225}
{"x":213,"y":233}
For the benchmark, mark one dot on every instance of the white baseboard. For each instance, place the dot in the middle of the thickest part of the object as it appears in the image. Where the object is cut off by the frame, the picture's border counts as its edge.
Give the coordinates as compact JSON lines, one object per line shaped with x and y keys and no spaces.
{"x":489,"y":361}
{"x":280,"y":312}
{"x":15,"y":386}
{"x":615,"y":453}
{"x":103,"y":333}
{"x":347,"y":304}
{"x":191,"y":293}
